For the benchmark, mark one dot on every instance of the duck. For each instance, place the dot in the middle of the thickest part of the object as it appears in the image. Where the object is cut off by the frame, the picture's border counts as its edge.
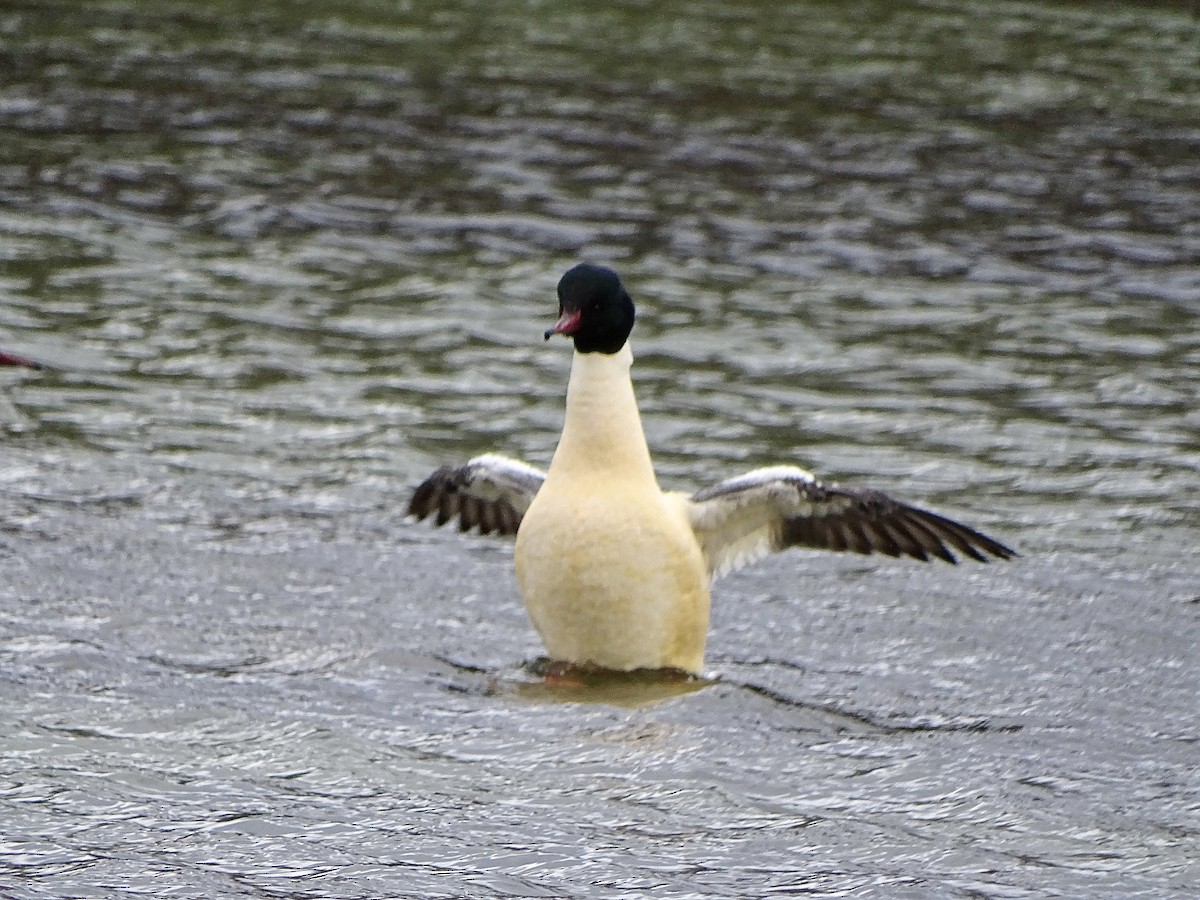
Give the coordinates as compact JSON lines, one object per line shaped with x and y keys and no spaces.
{"x":616,"y":572}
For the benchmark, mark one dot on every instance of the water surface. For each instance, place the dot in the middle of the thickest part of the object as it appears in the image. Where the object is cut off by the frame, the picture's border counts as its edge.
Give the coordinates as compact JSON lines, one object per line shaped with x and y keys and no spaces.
{"x":282,"y":259}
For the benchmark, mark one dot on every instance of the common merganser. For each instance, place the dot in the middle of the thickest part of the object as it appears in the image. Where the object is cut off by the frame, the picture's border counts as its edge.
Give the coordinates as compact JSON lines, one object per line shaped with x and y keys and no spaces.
{"x":615,"y":572}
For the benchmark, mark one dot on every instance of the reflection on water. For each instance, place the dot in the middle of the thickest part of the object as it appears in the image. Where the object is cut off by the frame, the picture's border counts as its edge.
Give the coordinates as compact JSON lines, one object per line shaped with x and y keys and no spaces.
{"x":280,"y":259}
{"x":553,"y":682}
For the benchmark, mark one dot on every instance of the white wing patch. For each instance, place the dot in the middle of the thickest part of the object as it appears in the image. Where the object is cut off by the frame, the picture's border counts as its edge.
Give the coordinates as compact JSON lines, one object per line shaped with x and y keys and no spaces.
{"x":490,"y":492}
{"x":740,"y":520}
{"x":496,"y":477}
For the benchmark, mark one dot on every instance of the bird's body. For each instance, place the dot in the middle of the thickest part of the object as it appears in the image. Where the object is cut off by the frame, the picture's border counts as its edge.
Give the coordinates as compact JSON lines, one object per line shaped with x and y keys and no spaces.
{"x":614,"y":571}
{"x":601,"y":532}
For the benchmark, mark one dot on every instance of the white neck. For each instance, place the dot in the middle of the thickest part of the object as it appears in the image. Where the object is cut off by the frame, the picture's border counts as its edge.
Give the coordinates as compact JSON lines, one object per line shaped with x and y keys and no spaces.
{"x":603,"y":430}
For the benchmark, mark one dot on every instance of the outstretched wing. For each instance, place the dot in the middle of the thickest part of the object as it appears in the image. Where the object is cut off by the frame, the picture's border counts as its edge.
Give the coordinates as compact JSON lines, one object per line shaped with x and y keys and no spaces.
{"x":767,"y":510}
{"x":490,"y":492}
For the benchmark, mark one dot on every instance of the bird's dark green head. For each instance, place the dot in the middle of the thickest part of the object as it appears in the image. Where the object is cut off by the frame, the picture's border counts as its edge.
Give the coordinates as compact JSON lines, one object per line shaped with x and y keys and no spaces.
{"x":594,"y":309}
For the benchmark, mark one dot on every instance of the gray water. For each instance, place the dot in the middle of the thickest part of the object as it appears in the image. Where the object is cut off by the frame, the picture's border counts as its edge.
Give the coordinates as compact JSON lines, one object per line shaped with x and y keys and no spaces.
{"x":281,"y":259}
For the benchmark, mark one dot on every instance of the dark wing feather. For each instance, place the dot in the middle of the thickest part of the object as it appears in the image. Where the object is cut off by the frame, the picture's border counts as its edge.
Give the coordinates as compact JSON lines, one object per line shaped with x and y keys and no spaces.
{"x":490,"y":493}
{"x":869,"y":521}
{"x":744,"y":518}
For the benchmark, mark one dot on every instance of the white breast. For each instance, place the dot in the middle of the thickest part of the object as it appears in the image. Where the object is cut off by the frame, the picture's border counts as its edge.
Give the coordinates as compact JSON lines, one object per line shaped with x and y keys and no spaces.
{"x":609,"y":567}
